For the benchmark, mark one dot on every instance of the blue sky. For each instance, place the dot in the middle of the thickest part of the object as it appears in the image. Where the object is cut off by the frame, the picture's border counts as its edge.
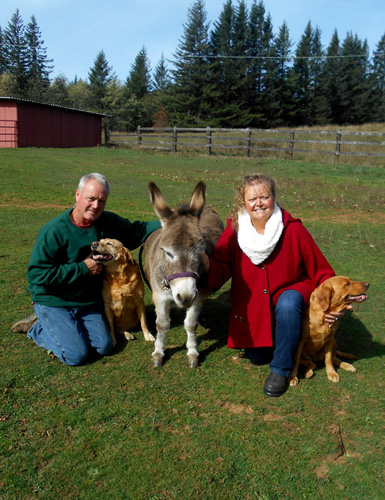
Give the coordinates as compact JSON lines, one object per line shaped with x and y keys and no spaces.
{"x":74,"y":31}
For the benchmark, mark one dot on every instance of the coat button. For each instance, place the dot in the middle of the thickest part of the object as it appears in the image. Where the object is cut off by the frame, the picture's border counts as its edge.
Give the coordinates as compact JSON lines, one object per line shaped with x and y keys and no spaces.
{"x":265,"y":291}
{"x":240,"y":318}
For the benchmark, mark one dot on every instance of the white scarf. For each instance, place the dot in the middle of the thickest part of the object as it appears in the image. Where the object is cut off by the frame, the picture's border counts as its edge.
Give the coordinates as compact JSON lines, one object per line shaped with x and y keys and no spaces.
{"x":257,"y":246}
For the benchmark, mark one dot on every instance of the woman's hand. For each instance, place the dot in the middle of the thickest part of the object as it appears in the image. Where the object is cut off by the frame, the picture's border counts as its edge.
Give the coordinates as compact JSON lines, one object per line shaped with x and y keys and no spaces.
{"x":334,"y":316}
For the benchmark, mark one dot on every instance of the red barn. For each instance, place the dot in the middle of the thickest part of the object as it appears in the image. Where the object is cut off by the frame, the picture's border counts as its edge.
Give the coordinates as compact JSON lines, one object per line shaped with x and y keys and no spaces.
{"x":31,"y":124}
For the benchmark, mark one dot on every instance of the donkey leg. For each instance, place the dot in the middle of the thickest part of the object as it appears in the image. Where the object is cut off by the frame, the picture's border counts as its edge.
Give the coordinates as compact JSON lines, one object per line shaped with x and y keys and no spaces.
{"x":190,"y":324}
{"x":162,"y":310}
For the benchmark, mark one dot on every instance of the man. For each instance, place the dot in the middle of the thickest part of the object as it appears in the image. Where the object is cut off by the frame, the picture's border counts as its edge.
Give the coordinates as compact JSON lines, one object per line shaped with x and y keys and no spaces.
{"x":65,"y":282}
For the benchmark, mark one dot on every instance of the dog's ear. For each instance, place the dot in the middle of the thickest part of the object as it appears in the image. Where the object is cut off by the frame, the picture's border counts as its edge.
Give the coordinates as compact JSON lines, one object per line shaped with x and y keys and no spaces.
{"x":323,"y":294}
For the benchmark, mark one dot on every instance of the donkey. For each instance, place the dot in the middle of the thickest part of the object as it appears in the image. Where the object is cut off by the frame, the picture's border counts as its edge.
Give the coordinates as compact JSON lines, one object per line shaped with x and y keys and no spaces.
{"x":173,"y":264}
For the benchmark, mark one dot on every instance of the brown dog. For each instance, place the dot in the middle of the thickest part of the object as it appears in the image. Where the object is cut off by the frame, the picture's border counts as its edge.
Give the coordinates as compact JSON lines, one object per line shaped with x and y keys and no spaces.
{"x":317,"y":339}
{"x":123,"y":288}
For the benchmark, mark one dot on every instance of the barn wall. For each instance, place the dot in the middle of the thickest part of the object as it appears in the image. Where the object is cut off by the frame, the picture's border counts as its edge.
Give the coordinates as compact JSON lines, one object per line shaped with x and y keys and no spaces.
{"x":45,"y":126}
{"x":8,"y":125}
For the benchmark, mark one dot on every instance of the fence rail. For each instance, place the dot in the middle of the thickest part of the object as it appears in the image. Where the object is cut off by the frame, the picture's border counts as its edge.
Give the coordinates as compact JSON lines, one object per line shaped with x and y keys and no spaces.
{"x":289,"y":142}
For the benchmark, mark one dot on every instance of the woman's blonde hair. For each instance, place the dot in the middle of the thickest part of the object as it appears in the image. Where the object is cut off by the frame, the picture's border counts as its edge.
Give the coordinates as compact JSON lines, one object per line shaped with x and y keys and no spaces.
{"x":247,"y":181}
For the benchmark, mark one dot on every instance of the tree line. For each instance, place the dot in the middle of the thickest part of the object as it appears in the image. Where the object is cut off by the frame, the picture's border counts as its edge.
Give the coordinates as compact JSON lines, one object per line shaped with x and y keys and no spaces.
{"x":236,"y":73}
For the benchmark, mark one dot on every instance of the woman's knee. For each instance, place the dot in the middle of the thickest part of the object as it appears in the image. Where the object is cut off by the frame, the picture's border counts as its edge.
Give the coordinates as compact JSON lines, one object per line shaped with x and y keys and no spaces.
{"x":290,"y":301}
{"x":105,"y":346}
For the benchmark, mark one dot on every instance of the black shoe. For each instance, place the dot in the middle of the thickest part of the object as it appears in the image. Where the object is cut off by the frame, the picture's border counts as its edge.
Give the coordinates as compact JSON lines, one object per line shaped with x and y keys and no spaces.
{"x":275,"y":385}
{"x":24,"y":325}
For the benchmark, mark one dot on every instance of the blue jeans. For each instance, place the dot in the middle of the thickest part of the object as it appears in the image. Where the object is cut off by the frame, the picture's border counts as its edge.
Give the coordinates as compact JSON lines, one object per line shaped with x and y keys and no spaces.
{"x":71,"y":333}
{"x":288,"y":320}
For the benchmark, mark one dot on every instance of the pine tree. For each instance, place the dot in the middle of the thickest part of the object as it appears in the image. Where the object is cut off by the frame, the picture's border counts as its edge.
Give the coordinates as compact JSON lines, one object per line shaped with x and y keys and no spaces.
{"x":2,"y":53}
{"x":192,"y":94}
{"x":332,"y":80}
{"x":139,"y":81}
{"x":284,"y":91}
{"x":229,"y":68}
{"x":100,"y":75}
{"x":356,"y":92}
{"x":39,"y":66}
{"x":378,"y":80}
{"x":307,"y":79}
{"x":161,"y":76}
{"x":16,"y":53}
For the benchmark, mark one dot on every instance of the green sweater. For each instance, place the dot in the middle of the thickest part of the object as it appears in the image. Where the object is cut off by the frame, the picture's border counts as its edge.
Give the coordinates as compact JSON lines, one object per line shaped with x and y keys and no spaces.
{"x":57,"y":275}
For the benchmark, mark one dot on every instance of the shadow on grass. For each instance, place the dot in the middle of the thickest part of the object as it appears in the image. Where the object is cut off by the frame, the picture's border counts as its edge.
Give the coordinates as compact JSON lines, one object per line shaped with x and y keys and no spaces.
{"x":214,"y":318}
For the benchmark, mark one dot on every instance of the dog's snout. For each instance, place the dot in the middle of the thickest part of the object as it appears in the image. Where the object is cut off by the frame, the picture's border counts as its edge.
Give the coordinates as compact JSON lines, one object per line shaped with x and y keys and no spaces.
{"x":366,"y":284}
{"x":94,"y":245}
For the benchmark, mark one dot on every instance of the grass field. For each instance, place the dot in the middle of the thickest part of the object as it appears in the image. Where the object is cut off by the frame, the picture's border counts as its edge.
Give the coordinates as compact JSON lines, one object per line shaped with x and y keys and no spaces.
{"x":118,"y":429}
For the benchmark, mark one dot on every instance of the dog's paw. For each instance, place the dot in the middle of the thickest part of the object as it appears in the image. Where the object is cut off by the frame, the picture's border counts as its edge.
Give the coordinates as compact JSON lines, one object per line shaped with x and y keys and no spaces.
{"x":333,"y":377}
{"x":128,"y":336}
{"x":309,"y":373}
{"x":149,"y":337}
{"x":348,"y":367}
{"x":294,"y":381}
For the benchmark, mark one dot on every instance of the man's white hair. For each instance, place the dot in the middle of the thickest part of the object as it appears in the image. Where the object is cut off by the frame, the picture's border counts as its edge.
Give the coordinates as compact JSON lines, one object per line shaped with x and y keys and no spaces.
{"x":94,"y":176}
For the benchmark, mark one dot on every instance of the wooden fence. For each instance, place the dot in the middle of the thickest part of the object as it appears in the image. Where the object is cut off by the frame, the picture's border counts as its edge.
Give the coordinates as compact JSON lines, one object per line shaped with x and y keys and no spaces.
{"x":249,"y":141}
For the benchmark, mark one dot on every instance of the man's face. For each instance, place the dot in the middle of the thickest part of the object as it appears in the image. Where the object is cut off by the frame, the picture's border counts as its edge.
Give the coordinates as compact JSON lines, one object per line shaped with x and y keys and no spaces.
{"x":90,"y":202}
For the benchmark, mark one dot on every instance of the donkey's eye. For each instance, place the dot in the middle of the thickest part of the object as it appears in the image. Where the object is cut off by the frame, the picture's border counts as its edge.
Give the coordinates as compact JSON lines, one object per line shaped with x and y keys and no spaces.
{"x":168,"y":253}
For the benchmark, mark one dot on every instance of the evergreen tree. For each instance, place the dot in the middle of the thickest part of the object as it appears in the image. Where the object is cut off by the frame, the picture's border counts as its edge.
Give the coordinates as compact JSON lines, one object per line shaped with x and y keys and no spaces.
{"x":161,"y":76}
{"x":264,"y":68}
{"x":356,"y":94}
{"x":284,"y":91}
{"x":332,"y":80}
{"x":100,"y":75}
{"x":39,"y":66}
{"x":2,"y":53}
{"x":229,"y":69}
{"x":191,"y":95}
{"x":139,"y":81}
{"x":378,"y":80}
{"x":307,"y":79}
{"x":16,"y":53}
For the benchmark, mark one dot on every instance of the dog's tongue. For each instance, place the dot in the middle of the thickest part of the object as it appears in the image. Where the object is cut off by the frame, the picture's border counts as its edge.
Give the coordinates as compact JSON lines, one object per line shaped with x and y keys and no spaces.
{"x":99,"y":256}
{"x":357,"y":298}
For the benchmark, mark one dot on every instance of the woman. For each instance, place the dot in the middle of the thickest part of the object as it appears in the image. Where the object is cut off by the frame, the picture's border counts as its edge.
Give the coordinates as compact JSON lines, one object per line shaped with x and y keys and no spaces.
{"x":275,"y":265}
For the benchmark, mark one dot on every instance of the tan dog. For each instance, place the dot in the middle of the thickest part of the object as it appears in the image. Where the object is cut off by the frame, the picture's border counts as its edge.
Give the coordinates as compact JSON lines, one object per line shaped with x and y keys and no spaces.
{"x":123,"y":289}
{"x":317,"y":341}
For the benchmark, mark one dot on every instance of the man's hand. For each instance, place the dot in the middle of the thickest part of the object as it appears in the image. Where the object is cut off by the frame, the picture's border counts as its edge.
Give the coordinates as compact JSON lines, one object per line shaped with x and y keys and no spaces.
{"x":94,"y":268}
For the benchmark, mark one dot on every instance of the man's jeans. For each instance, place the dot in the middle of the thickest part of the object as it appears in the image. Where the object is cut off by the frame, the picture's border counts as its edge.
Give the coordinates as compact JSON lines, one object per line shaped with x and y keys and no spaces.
{"x":288,"y":320}
{"x":71,"y":333}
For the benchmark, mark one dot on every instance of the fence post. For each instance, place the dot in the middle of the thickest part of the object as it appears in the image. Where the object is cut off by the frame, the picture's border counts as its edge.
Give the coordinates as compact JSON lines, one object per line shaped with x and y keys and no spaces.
{"x":248,"y":143}
{"x":139,"y":136}
{"x":106,"y":134}
{"x":174,"y":140}
{"x":208,"y":141}
{"x":337,"y":150}
{"x":290,"y":150}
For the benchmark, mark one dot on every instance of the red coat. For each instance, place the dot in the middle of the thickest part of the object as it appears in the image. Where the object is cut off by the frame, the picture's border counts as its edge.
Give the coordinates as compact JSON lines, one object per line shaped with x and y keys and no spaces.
{"x":296,"y":263}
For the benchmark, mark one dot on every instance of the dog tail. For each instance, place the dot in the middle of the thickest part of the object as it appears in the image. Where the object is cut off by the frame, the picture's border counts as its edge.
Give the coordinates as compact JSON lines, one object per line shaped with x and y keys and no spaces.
{"x":346,"y":355}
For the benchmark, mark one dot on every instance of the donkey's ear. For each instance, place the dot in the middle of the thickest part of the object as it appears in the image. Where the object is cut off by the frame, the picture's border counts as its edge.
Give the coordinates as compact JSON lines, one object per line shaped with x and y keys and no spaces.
{"x":198,"y":199}
{"x":160,"y":206}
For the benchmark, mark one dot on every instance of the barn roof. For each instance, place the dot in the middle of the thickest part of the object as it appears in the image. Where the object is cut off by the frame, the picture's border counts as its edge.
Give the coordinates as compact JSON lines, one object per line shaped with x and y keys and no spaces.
{"x":64,"y":108}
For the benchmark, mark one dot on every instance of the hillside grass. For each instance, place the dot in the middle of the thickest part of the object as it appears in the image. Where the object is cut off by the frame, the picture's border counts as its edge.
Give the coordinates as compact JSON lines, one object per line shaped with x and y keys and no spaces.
{"x":118,"y":429}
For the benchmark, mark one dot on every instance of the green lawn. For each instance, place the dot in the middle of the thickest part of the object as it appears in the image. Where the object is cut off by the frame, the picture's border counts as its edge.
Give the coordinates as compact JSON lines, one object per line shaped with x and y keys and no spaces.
{"x":119,"y":429}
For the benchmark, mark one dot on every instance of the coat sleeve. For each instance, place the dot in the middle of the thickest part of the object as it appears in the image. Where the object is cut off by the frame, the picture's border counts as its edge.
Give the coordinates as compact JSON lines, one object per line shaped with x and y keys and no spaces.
{"x":222,"y":260}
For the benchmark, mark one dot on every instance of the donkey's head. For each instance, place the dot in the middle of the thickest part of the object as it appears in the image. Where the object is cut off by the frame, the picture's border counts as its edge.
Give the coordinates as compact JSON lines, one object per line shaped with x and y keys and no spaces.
{"x":181,"y":244}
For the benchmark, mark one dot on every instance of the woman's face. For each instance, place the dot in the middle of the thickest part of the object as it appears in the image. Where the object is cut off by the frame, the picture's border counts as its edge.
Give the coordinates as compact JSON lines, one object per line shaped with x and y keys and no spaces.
{"x":259,"y":203}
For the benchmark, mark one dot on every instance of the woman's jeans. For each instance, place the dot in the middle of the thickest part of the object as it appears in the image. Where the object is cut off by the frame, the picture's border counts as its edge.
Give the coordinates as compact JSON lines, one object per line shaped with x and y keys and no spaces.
{"x":71,"y":333}
{"x":288,"y":320}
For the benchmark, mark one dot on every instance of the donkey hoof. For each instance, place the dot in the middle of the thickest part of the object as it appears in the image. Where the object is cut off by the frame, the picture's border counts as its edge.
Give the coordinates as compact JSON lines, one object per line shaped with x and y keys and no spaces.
{"x":157,"y":361}
{"x":192,"y":361}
